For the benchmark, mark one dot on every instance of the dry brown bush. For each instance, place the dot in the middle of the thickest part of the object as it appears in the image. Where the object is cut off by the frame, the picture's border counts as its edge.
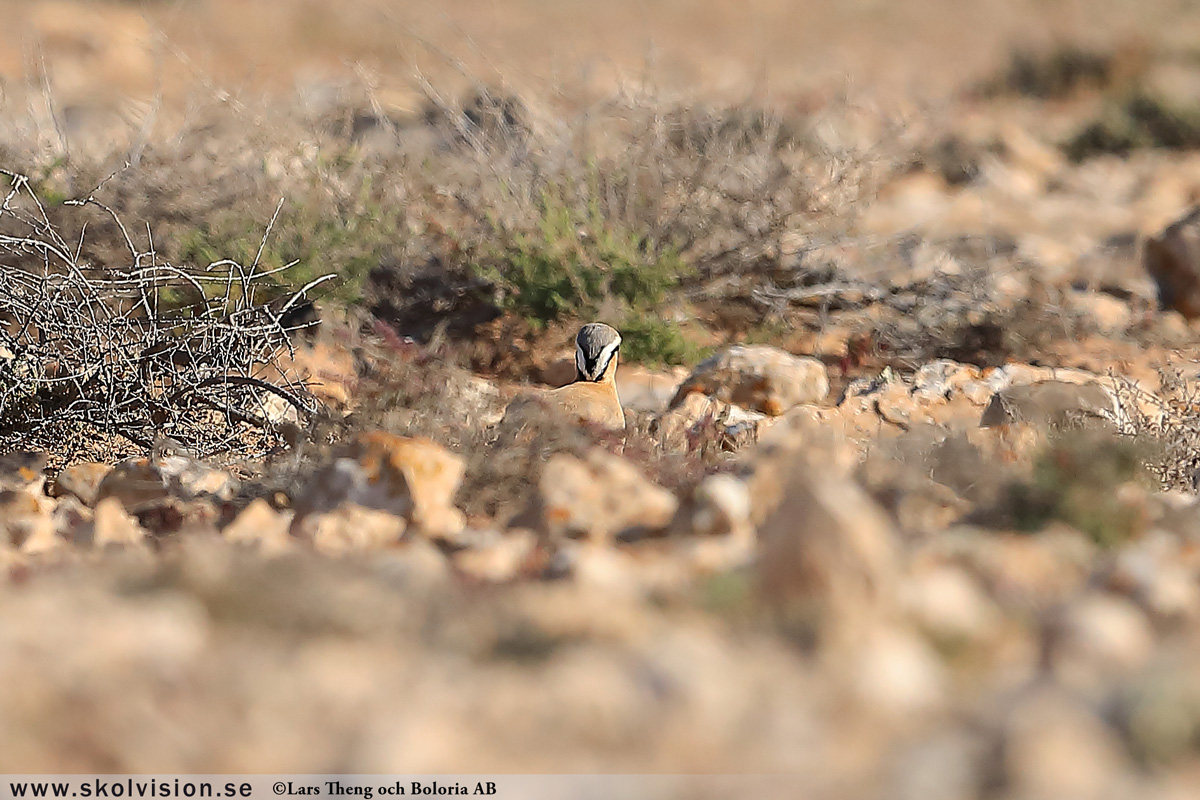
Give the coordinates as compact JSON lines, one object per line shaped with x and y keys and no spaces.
{"x":135,"y":350}
{"x":1168,"y":421}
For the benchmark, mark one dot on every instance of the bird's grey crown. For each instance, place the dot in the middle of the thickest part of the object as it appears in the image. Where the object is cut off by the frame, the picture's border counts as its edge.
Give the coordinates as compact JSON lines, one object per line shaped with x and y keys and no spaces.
{"x":595,"y":347}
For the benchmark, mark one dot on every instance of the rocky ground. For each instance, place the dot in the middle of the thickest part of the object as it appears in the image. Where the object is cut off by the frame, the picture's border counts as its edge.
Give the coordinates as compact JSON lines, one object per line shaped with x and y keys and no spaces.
{"x":948,"y":582}
{"x":906,"y":506}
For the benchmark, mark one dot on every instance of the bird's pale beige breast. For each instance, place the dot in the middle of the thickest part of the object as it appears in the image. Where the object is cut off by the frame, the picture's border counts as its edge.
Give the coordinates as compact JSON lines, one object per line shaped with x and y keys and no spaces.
{"x":594,"y":402}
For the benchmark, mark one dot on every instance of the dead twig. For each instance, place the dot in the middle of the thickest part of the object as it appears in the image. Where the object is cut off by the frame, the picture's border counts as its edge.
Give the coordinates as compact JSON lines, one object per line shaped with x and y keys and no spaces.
{"x":140,"y":350}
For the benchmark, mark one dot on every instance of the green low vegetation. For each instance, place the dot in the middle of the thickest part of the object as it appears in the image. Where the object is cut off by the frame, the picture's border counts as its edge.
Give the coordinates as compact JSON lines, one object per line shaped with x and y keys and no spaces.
{"x":577,"y":264}
{"x":318,"y":236}
{"x":1137,"y":122}
{"x":1075,"y":481}
{"x":650,"y":339}
{"x":1053,"y":74}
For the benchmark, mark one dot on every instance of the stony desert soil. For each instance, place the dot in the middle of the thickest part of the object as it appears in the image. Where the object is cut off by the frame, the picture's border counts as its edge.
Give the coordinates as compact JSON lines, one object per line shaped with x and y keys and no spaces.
{"x":906,"y":503}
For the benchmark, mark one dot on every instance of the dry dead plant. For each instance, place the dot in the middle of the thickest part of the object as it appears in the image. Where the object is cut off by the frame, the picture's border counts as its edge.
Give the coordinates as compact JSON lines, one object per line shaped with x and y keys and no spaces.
{"x":140,"y":350}
{"x":1170,"y":418}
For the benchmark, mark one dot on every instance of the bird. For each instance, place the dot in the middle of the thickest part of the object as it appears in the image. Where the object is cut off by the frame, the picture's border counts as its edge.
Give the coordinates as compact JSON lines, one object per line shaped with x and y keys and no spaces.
{"x":592,"y":396}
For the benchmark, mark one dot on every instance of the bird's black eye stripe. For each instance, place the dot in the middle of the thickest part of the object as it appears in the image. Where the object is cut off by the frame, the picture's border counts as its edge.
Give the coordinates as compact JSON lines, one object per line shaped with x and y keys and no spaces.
{"x":603,"y":359}
{"x":598,"y":369}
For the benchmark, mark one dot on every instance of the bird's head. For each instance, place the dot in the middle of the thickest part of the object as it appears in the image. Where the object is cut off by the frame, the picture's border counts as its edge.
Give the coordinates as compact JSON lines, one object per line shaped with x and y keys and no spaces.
{"x":596,"y":349}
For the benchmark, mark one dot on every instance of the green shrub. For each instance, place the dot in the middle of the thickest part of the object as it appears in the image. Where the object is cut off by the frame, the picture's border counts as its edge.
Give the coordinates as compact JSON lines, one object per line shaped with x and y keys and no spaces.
{"x":650,"y":339}
{"x":1075,"y":480}
{"x":1140,"y":121}
{"x":573,"y":263}
{"x":1053,"y":74}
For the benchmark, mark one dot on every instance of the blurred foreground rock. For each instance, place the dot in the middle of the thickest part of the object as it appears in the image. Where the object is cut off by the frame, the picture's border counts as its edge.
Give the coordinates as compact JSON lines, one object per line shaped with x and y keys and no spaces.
{"x":601,"y":496}
{"x":921,"y":585}
{"x":81,"y":481}
{"x":828,"y":559}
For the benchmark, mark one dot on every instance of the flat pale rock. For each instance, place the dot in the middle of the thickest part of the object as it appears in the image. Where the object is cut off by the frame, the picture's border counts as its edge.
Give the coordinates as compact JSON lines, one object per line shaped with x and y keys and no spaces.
{"x":934,"y":396}
{"x":1051,"y":403}
{"x":475,"y":399}
{"x":757,"y":377}
{"x":1110,"y":315}
{"x":191,"y":478}
{"x":1058,"y":745}
{"x":949,"y":603}
{"x":897,"y":673}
